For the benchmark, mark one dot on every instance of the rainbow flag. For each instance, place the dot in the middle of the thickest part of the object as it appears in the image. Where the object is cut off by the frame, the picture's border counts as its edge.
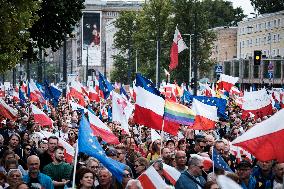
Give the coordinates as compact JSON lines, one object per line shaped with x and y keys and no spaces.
{"x":178,"y":113}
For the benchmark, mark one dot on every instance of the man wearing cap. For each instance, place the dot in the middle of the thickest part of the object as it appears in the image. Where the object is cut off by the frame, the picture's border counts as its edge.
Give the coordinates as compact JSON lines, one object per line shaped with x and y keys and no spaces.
{"x":244,"y":172}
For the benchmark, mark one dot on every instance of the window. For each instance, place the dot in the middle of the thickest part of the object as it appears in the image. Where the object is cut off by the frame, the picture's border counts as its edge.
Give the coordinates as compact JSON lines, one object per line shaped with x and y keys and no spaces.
{"x":250,"y":42}
{"x":264,"y":40}
{"x":278,"y":51}
{"x":274,"y":38}
{"x":256,"y":28}
{"x":279,"y":22}
{"x":259,"y":41}
{"x":268,"y":25}
{"x":275,"y":23}
{"x":243,"y":45}
{"x":247,"y":43}
{"x":259,"y":27}
{"x":278,"y":37}
{"x":274,"y":52}
{"x":265,"y":25}
{"x":256,"y":41}
{"x":264,"y":52}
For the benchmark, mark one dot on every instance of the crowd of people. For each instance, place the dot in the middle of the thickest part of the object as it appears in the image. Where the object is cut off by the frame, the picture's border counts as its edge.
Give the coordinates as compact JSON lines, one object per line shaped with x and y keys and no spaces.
{"x":28,"y":161}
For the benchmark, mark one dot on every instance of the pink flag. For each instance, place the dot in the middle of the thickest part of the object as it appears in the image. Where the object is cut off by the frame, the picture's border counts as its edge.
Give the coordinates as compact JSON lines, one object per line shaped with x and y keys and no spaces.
{"x":265,"y":139}
{"x":206,"y":115}
{"x":178,"y":46}
{"x":41,"y":117}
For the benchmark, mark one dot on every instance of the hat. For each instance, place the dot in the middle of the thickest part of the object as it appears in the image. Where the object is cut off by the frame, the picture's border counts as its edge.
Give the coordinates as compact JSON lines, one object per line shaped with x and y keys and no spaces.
{"x":244,"y":164}
{"x":111,"y":152}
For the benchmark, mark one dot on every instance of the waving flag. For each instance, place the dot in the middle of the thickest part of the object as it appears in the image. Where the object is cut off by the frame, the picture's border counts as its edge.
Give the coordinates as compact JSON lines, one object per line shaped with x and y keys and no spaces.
{"x":219,"y":161}
{"x":225,"y":182}
{"x":171,"y":173}
{"x":151,"y":179}
{"x":105,"y":86}
{"x":206,"y":115}
{"x":124,"y":93}
{"x":41,"y":117}
{"x":89,"y":145}
{"x":226,"y":82}
{"x":2,"y":90}
{"x":100,"y":129}
{"x":93,"y":95}
{"x":257,"y":103}
{"x":265,"y":139}
{"x":7,"y":111}
{"x":178,"y":46}
{"x":34,"y":93}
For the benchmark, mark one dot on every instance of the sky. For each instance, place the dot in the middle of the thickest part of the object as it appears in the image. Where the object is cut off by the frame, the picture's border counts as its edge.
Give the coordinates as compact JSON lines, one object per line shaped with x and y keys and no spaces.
{"x":245,"y":4}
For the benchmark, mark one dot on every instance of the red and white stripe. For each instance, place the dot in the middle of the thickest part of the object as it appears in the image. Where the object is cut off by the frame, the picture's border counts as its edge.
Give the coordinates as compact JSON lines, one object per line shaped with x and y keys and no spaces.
{"x":265,"y":139}
{"x":227,"y":82}
{"x":7,"y":111}
{"x":2,"y":90}
{"x":16,"y":96}
{"x":35,"y":94}
{"x":171,"y":173}
{"x":93,"y":95}
{"x":240,"y":153}
{"x":206,"y":115}
{"x":101,"y":130}
{"x":151,"y":179}
{"x":40,"y":117}
{"x":257,"y":103}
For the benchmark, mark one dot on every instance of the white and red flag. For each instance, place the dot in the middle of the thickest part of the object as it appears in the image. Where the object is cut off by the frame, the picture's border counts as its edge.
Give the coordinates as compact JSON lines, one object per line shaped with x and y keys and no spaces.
{"x":151,"y":179}
{"x":7,"y":111}
{"x":257,"y":103}
{"x":206,"y":115}
{"x":100,"y":129}
{"x":76,"y":91}
{"x":2,"y":90}
{"x":265,"y":139}
{"x":171,"y":173}
{"x":121,"y":110}
{"x":226,"y":82}
{"x":34,"y":93}
{"x":178,"y":46}
{"x":93,"y":95}
{"x":40,"y":117}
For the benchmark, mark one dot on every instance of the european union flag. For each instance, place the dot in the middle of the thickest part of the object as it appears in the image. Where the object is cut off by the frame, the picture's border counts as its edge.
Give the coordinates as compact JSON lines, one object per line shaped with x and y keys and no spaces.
{"x":122,"y":91}
{"x":109,"y":114}
{"x":22,"y":97}
{"x":219,"y":161}
{"x":186,"y":96}
{"x":89,"y":145}
{"x":42,"y":90}
{"x":214,"y":101}
{"x":105,"y":86}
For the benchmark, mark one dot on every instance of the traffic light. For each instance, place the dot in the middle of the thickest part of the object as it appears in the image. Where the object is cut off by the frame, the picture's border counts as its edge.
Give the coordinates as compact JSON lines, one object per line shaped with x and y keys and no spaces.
{"x":257,"y":57}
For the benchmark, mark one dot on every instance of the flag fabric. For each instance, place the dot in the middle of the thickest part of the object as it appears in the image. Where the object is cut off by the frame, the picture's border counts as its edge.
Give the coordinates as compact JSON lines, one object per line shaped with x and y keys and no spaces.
{"x":77,"y":107}
{"x":257,"y":103}
{"x":225,"y":182}
{"x":219,"y":161}
{"x":121,"y":111}
{"x":2,"y":90}
{"x":7,"y":111}
{"x":41,"y":117}
{"x":240,"y":153}
{"x":105,"y":86}
{"x":76,"y":92}
{"x":100,"y":129}
{"x":178,"y":113}
{"x":220,"y":103}
{"x":206,"y":115}
{"x":171,"y":173}
{"x":265,"y":139}
{"x":207,"y":162}
{"x":151,"y":179}
{"x":154,"y":135}
{"x":226,"y":82}
{"x":93,"y":95}
{"x":22,"y":97}
{"x":187,"y":96}
{"x":34,"y":93}
{"x":178,"y":46}
{"x":123,"y":93}
{"x":15,"y":96}
{"x":89,"y":145}
{"x":149,"y":106}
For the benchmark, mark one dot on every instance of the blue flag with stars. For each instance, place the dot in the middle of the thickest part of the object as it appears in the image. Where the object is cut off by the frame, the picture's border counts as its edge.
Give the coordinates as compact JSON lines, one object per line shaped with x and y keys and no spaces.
{"x":105,"y":86}
{"x":219,"y":161}
{"x":89,"y":145}
{"x":214,"y":101}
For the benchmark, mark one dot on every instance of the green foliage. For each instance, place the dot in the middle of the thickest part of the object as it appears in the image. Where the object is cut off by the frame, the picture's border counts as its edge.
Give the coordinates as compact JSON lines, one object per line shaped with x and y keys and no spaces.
{"x":119,"y":73}
{"x":265,"y":6}
{"x":16,"y":18}
{"x":57,"y":18}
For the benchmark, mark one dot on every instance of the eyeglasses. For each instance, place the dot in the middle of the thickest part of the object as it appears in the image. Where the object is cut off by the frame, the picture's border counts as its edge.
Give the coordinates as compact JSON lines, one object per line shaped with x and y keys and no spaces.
{"x":137,"y":166}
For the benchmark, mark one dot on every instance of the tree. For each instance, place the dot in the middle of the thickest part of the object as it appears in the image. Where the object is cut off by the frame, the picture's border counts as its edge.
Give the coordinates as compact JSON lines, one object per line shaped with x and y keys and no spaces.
{"x":16,"y":18}
{"x":119,"y":73}
{"x":264,"y":6}
{"x":57,"y":19}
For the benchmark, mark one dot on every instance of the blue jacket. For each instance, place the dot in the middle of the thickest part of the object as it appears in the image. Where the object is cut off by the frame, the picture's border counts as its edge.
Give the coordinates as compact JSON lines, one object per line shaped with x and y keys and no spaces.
{"x":44,"y":180}
{"x":186,"y":181}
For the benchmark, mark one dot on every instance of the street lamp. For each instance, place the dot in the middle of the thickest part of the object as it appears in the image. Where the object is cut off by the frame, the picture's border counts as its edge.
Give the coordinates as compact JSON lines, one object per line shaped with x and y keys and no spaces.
{"x":87,"y":62}
{"x":189,"y":70}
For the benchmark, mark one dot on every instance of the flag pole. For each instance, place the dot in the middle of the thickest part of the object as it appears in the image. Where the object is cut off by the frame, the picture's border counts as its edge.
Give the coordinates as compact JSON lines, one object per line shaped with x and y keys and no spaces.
{"x":162,"y":138}
{"x":213,"y":160}
{"x":75,"y":165}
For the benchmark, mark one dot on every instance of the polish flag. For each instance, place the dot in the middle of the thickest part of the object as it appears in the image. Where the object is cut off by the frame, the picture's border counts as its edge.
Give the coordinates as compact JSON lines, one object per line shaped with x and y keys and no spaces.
{"x":171,"y":173}
{"x":2,"y":90}
{"x":121,"y":111}
{"x":149,"y":107}
{"x":151,"y":179}
{"x":226,"y":82}
{"x":207,"y":162}
{"x":225,"y":182}
{"x":69,"y":150}
{"x":40,"y":117}
{"x":206,"y":115}
{"x":24,"y":87}
{"x":282,"y":99}
{"x":16,"y":96}
{"x":101,"y":130}
{"x":35,"y":94}
{"x":178,"y":46}
{"x":265,"y":139}
{"x":93,"y":95}
{"x":257,"y":103}
{"x":7,"y":111}
{"x":77,"y":92}
{"x":235,"y":91}
{"x":77,"y":107}
{"x":240,"y":153}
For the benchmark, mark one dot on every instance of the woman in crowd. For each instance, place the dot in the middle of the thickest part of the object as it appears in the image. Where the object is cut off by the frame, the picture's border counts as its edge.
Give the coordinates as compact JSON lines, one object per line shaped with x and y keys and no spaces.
{"x":84,"y":179}
{"x":140,"y":165}
{"x":14,"y":176}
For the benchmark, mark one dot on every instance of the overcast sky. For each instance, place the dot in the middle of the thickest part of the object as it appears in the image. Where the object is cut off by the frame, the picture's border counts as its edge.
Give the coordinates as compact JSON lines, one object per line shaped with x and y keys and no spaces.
{"x":245,"y":4}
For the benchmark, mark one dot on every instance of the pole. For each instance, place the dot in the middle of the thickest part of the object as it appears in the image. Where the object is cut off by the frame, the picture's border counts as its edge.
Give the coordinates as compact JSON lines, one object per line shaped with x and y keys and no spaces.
{"x":39,"y":67}
{"x":129,"y":62}
{"x":87,"y":66}
{"x":157,"y":64}
{"x":136,"y":61}
{"x":105,"y":74}
{"x":195,"y":66}
{"x":189,"y":71}
{"x":64,"y":67}
{"x":14,"y":77}
{"x":75,"y":165}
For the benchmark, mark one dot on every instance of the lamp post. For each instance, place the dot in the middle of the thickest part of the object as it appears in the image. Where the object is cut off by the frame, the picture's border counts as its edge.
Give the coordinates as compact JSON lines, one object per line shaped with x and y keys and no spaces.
{"x":189,"y":69}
